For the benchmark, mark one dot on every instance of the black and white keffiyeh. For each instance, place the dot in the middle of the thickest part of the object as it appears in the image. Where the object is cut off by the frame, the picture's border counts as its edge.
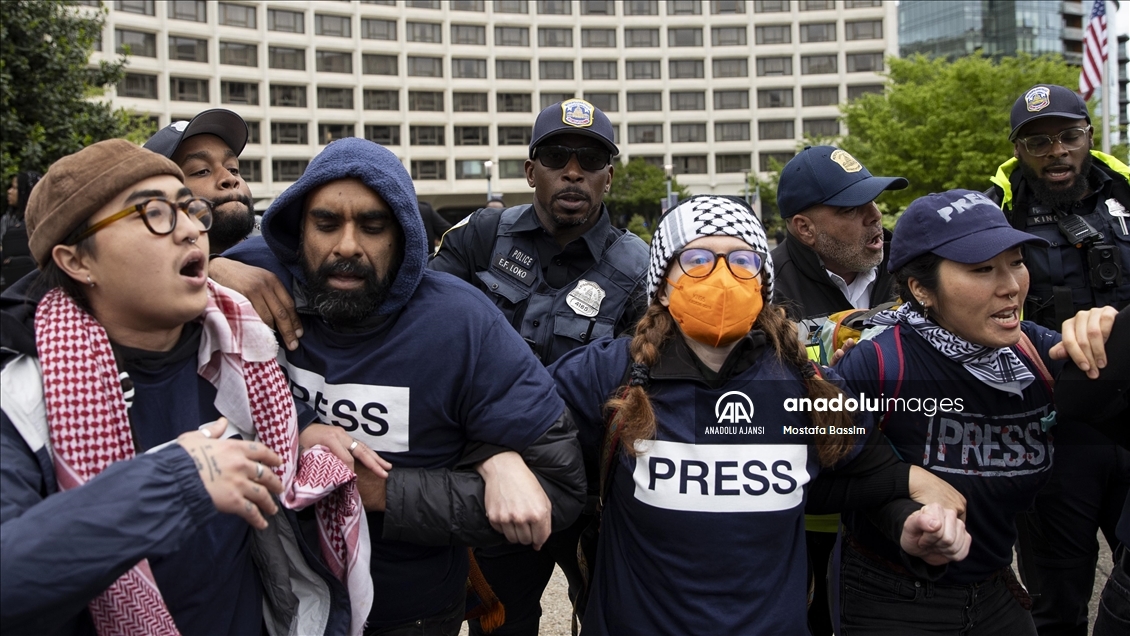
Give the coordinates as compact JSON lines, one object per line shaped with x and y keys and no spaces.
{"x":705,"y":215}
{"x":1001,"y":368}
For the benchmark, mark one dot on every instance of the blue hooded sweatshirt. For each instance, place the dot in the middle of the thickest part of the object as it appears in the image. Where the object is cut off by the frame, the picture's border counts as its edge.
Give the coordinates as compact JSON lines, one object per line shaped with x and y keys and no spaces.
{"x":441,"y":370}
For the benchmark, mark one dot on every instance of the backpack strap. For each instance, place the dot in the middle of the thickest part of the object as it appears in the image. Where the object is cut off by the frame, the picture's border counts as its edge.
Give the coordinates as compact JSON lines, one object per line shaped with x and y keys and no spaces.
{"x":1028,"y":350}
{"x":898,"y":378}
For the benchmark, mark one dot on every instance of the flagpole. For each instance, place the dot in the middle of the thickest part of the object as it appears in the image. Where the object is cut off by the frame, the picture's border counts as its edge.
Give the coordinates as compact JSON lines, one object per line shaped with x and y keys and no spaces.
{"x":1108,"y":76}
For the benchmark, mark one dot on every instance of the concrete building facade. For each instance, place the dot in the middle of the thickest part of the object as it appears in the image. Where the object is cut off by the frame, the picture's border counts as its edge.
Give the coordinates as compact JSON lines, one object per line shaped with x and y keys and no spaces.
{"x":715,"y":89}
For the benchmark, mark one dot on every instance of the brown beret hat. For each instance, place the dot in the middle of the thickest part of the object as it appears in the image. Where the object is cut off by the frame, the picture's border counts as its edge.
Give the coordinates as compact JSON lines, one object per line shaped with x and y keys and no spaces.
{"x":79,"y":185}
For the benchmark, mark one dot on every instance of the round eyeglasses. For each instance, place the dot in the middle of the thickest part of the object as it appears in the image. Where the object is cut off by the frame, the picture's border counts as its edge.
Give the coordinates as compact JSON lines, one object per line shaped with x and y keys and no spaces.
{"x":1040,"y":145}
{"x":700,"y":263}
{"x":159,"y":215}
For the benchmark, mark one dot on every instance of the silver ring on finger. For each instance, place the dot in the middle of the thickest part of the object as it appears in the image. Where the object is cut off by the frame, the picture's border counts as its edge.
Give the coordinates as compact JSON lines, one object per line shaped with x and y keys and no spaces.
{"x":352,"y":446}
{"x":258,"y":471}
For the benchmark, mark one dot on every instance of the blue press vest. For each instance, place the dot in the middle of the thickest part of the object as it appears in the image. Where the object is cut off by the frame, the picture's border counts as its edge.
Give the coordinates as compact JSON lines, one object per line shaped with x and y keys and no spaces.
{"x":549,"y":324}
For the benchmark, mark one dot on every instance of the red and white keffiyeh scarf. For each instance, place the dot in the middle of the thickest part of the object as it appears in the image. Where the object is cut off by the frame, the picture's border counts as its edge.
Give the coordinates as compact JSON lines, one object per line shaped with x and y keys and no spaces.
{"x":89,"y":430}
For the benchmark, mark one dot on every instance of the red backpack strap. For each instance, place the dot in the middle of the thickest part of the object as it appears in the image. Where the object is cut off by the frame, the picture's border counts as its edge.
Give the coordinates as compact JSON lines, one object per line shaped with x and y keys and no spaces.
{"x":898,"y":378}
{"x":1028,"y":350}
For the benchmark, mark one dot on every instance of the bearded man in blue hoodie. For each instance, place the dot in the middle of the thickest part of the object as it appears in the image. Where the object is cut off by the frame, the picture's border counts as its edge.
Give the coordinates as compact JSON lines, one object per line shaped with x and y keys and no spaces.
{"x":423,"y":369}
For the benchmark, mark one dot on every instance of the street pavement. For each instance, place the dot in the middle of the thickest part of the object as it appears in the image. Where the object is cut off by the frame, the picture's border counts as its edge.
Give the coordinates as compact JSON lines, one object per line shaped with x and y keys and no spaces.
{"x":556,"y":611}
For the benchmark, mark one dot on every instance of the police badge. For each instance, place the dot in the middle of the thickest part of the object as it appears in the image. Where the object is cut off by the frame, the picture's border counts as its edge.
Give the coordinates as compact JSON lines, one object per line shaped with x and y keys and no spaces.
{"x":1037,"y":99}
{"x":577,"y":113}
{"x":585,"y":298}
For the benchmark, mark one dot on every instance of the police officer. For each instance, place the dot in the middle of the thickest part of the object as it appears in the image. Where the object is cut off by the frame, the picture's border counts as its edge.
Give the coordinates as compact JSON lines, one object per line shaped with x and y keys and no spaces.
{"x":1060,"y":189}
{"x":563,"y":276}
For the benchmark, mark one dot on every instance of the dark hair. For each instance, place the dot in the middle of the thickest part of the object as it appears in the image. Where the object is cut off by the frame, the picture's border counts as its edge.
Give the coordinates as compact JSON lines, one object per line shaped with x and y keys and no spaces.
{"x":52,"y":276}
{"x":923,"y":269}
{"x":632,"y":408}
{"x":25,"y":181}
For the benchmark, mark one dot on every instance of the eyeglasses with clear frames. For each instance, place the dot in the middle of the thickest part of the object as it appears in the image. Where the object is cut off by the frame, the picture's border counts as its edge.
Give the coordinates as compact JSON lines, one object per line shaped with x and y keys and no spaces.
{"x":700,"y":263}
{"x":1040,"y":145}
{"x":160,"y":216}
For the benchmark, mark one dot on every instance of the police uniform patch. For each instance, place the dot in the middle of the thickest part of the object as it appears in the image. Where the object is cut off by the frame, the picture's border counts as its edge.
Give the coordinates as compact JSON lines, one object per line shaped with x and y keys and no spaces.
{"x":585,"y":298}
{"x":577,"y":113}
{"x":1037,"y":99}
{"x":513,"y":270}
{"x":846,"y":161}
{"x":522,"y":258}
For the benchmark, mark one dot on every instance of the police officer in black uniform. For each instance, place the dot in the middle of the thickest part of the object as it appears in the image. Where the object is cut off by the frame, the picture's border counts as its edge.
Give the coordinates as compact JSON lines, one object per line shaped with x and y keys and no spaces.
{"x":563,"y":276}
{"x":1060,"y":189}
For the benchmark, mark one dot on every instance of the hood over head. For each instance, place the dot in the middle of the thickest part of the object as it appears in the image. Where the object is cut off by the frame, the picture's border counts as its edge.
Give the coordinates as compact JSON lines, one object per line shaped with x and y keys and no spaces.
{"x":381,"y":171}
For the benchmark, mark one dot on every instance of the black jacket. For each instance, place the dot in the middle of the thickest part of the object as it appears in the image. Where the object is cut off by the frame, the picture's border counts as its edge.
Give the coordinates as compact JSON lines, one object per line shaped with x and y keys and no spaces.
{"x":802,"y":286}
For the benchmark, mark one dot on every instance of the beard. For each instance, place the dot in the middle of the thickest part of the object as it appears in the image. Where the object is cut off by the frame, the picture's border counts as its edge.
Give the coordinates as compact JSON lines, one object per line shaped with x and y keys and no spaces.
{"x":345,"y":307}
{"x":561,"y":221}
{"x":853,"y":257}
{"x":229,"y":228}
{"x":1061,"y":197}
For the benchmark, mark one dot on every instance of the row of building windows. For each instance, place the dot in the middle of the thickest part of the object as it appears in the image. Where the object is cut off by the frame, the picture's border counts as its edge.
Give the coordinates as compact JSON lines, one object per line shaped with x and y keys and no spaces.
{"x":298,"y":133}
{"x":287,"y":170}
{"x":144,"y":44}
{"x":295,"y":95}
{"x":241,"y":15}
{"x":287,"y":58}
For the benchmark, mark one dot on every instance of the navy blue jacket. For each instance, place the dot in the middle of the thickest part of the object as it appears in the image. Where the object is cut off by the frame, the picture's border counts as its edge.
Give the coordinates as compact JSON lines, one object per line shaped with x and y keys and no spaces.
{"x":434,"y":372}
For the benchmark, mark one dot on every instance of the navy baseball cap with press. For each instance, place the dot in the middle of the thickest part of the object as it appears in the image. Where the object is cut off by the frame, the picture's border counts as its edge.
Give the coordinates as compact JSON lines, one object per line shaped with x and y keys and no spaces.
{"x":573,"y":116}
{"x":1046,"y":100}
{"x":960,"y":225}
{"x":829,"y":176}
{"x":220,"y":122}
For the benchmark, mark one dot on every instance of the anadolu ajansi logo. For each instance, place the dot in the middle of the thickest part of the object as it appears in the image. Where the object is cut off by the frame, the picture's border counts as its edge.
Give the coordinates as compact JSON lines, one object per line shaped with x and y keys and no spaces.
{"x":733,"y":407}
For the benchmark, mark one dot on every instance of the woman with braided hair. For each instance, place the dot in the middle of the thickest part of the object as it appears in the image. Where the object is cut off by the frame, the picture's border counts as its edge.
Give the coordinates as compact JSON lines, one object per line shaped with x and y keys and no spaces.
{"x":711,"y":462}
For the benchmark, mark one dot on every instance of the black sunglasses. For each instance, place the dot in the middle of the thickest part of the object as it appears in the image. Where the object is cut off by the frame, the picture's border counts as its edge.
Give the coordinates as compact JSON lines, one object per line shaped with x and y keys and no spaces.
{"x":557,"y":157}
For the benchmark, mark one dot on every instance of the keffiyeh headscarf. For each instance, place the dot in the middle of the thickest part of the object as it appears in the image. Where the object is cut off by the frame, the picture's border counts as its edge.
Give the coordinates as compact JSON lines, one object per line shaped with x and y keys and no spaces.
{"x":1001,"y":368}
{"x":89,"y":429}
{"x":705,"y":215}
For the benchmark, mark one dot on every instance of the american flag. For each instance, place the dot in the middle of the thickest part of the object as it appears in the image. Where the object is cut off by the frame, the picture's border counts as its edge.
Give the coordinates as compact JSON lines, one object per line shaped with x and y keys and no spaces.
{"x":1094,"y":51}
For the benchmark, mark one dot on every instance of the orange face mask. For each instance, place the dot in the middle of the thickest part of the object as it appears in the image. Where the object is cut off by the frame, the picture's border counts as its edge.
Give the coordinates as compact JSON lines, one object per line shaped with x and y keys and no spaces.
{"x":718,"y":309}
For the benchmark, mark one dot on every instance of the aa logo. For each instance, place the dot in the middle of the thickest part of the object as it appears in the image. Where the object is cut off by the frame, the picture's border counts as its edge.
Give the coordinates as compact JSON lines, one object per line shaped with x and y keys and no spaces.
{"x":734,"y":407}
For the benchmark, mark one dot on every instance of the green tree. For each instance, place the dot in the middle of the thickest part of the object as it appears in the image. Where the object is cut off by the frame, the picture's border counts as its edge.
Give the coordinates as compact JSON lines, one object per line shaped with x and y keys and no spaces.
{"x":767,"y":194}
{"x":638,"y":227}
{"x":638,"y":188}
{"x":943,"y":125}
{"x":48,"y":105}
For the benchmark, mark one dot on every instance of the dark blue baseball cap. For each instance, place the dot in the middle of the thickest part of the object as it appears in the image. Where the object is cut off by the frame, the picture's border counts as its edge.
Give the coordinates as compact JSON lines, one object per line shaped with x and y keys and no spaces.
{"x":830,"y":176}
{"x":223,"y":123}
{"x":1046,"y":100}
{"x":959,"y":225}
{"x":573,"y":116}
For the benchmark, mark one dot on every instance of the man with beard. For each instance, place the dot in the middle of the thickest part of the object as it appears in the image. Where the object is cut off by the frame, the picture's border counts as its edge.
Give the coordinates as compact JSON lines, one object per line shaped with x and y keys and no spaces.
{"x":207,"y":149}
{"x":563,"y":276}
{"x":834,"y":258}
{"x":835,"y":255}
{"x":421,"y":368}
{"x":1059,"y":188}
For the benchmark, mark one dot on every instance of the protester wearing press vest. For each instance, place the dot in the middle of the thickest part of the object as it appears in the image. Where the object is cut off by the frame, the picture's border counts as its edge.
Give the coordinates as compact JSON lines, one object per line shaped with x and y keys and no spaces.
{"x":119,"y":516}
{"x":834,"y":260}
{"x":703,"y":522}
{"x":1059,"y":188}
{"x":964,"y":389}
{"x":563,"y":276}
{"x":420,"y":367}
